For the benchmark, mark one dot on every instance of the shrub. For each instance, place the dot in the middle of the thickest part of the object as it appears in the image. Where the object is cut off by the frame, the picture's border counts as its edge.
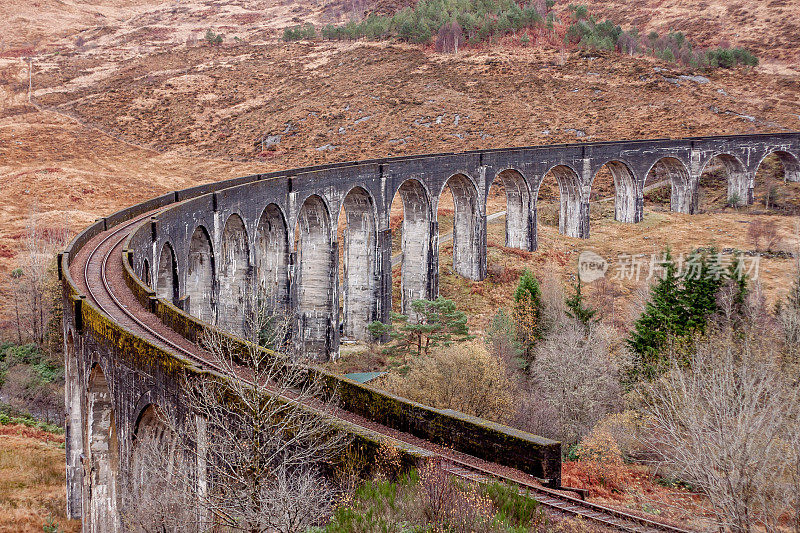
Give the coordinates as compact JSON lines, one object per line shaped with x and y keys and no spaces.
{"x":213,"y":38}
{"x":463,"y":377}
{"x":731,"y":57}
{"x":512,"y":508}
{"x":501,"y":341}
{"x":298,"y":33}
{"x":453,"y":22}
{"x":764,"y":235}
{"x":574,"y":382}
{"x":449,"y":38}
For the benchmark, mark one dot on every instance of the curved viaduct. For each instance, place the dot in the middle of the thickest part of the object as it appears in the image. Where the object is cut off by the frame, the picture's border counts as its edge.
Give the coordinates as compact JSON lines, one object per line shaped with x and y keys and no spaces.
{"x":276,"y":235}
{"x":142,"y":285}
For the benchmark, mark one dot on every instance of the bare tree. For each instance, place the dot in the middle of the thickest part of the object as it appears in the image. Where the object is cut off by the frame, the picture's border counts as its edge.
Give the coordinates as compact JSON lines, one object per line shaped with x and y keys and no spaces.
{"x":32,"y":278}
{"x":788,"y":313}
{"x":725,"y":421}
{"x":575,"y":381}
{"x":261,"y":437}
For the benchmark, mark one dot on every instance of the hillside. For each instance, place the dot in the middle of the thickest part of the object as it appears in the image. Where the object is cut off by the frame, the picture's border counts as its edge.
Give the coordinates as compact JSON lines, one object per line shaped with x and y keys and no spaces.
{"x":130,"y":100}
{"x":770,"y":28}
{"x":142,"y":100}
{"x":32,"y":492}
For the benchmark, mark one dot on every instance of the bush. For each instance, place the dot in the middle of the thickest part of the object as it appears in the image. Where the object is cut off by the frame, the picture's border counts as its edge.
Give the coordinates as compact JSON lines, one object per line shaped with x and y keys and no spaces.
{"x":574,"y":382}
{"x":213,"y":38}
{"x":11,"y":416}
{"x":453,"y":22}
{"x":731,"y":57}
{"x":764,"y":235}
{"x":449,"y":38}
{"x":463,"y":377}
{"x":433,"y":500}
{"x":305,"y":32}
{"x":513,"y":508}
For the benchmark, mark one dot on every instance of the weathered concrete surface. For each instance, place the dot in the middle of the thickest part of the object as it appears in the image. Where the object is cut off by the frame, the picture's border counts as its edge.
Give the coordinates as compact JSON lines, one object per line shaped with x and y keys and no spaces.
{"x":234,"y":277}
{"x":200,"y":284}
{"x":317,"y":281}
{"x":359,"y":264}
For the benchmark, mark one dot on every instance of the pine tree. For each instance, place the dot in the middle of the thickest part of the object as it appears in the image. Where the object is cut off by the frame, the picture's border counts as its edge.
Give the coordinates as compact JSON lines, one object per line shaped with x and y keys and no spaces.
{"x":576,"y":307}
{"x":528,"y":313}
{"x":436,"y":323}
{"x":698,"y":297}
{"x":659,"y":322}
{"x":740,"y":278}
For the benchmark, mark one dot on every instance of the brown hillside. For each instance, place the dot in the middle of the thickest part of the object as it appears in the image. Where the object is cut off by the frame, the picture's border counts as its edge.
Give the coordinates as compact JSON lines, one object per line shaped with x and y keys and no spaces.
{"x":770,"y":28}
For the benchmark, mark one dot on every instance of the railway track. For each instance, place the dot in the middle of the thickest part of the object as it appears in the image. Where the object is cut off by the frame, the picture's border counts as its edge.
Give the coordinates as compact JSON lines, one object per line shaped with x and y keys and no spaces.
{"x":554,"y":500}
{"x":101,"y":291}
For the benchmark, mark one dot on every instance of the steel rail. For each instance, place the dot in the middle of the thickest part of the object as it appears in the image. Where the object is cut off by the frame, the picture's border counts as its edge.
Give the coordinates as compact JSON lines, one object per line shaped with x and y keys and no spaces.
{"x":562,"y":502}
{"x":119,"y":305}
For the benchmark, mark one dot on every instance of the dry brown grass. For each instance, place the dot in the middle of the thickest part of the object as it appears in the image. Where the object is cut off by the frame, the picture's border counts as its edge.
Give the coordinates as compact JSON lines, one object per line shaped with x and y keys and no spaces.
{"x":32,"y":489}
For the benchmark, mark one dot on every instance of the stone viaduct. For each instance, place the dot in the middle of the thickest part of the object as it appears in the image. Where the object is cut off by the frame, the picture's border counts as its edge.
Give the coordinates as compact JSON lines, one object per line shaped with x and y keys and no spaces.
{"x":202,"y":255}
{"x":277,"y":235}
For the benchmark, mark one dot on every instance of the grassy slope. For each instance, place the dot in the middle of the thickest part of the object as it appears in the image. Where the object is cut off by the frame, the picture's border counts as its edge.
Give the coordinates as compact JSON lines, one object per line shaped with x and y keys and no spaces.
{"x":32,"y":490}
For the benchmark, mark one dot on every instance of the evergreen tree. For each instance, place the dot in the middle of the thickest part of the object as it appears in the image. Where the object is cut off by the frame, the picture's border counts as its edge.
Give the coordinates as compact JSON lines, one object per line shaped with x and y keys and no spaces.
{"x":528,"y":313}
{"x":737,"y":274}
{"x":659,"y":322}
{"x":576,"y":307}
{"x":698,"y":297}
{"x":678,"y":311}
{"x":436,"y":322}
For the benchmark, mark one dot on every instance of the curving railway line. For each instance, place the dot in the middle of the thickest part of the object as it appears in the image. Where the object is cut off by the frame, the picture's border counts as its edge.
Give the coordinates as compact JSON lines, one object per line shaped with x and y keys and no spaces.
{"x":98,"y":267}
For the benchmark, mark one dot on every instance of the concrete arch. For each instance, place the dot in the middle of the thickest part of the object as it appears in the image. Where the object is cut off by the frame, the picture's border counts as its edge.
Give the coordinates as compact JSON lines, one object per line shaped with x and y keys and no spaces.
{"x":415,"y":266}
{"x":316,"y":278}
{"x":167,"y":275}
{"x":103,"y":457}
{"x":790,"y":162}
{"x":572,"y":221}
{"x":151,"y":494}
{"x":736,"y":174}
{"x":684,"y":191}
{"x":272,"y":258}
{"x":468,"y":230}
{"x":200,"y":276}
{"x":73,"y":441}
{"x":234,"y":277}
{"x":518,"y":208}
{"x":149,"y":431}
{"x":146,"y":273}
{"x":628,"y":203}
{"x":359,"y":248}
